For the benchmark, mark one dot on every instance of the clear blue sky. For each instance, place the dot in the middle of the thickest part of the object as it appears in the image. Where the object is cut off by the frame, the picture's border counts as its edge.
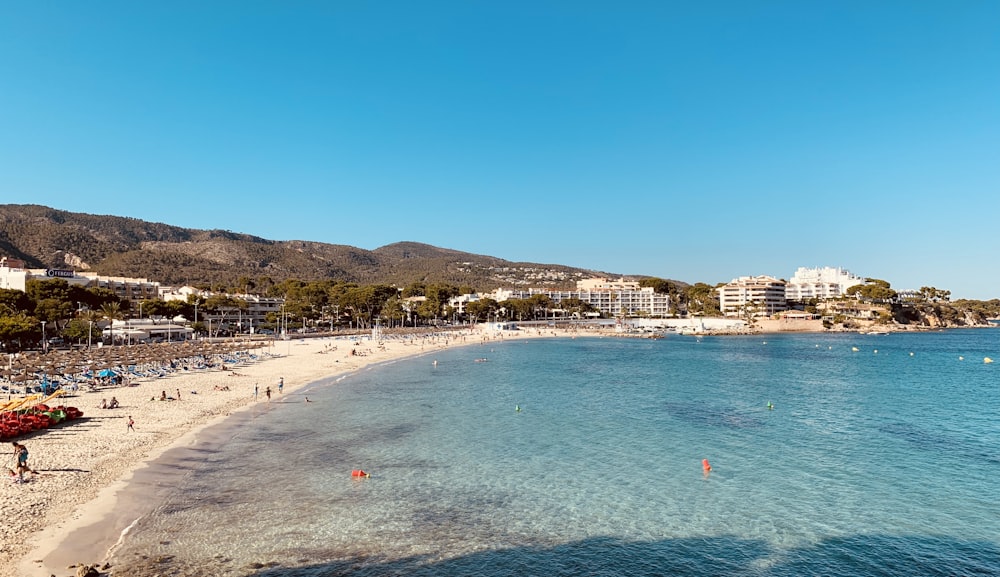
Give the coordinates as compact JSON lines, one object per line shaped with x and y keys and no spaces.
{"x":697,"y":141}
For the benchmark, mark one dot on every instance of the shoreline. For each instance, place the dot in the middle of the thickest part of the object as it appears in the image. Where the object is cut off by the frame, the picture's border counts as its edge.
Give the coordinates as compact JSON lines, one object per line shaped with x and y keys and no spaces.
{"x":61,"y":518}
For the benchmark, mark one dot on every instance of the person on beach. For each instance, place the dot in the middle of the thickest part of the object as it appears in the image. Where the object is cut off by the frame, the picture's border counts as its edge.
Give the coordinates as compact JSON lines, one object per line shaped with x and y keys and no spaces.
{"x":281,"y":384}
{"x":113,"y":404}
{"x":131,"y":425}
{"x":18,"y":476}
{"x":21,"y":452}
{"x":163,"y":395}
{"x":255,"y":391}
{"x":267,"y":392}
{"x":178,"y":394}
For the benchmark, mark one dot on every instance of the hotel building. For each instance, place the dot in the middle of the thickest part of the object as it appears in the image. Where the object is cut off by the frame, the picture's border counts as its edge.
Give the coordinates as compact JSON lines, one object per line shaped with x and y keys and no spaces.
{"x":612,"y":298}
{"x":820,"y":283}
{"x":765,"y":293}
{"x":14,"y":275}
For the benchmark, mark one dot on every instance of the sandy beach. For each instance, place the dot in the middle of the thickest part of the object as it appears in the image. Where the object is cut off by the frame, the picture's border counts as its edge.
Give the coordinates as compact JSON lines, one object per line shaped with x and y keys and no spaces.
{"x":84,"y":464}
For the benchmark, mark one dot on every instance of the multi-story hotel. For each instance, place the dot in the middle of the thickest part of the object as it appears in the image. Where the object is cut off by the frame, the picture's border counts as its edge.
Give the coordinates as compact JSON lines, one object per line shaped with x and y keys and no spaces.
{"x":249,"y":318}
{"x":765,"y":293}
{"x":611,"y":297}
{"x":14,"y":275}
{"x":820,"y":283}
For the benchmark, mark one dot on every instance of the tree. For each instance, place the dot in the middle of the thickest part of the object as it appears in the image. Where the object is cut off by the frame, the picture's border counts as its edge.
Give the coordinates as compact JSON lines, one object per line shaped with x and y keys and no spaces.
{"x":482,"y":309}
{"x":877,"y":291}
{"x":222,"y":306}
{"x":17,"y":329}
{"x":417,"y":289}
{"x":576,"y":306}
{"x":393,"y":310}
{"x":934,"y":295}
{"x":540,"y":305}
{"x":703,"y":298}
{"x":82,"y":330}
{"x":96,"y":297}
{"x":365,"y":303}
{"x":13,"y":301}
{"x":52,"y":301}
{"x":112,"y":312}
{"x":519,"y":309}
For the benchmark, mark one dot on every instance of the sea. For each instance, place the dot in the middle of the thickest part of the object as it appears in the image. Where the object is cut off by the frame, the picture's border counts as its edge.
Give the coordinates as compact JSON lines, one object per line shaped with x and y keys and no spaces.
{"x":830,"y":454}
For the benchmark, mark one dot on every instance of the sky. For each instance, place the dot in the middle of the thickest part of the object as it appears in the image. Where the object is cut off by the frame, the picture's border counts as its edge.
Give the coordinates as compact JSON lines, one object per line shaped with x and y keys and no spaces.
{"x":695,"y":141}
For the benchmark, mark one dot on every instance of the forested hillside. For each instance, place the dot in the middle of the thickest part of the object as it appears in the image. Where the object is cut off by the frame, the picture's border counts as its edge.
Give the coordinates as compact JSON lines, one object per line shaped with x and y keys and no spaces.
{"x":120,"y":246}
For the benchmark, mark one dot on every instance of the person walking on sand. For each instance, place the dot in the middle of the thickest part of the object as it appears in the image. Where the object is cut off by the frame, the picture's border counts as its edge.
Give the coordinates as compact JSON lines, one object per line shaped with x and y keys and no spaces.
{"x":281,"y":384}
{"x":21,"y":452}
{"x":131,"y":425}
{"x":178,"y":394}
{"x":267,"y":392}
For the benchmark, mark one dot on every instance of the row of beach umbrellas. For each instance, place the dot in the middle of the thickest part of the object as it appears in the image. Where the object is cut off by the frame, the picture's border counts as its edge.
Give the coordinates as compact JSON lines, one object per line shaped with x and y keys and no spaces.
{"x":29,"y":371}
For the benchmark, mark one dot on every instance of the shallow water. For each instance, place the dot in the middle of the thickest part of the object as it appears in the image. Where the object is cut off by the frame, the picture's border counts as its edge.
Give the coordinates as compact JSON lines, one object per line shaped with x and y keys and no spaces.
{"x":872,"y":462}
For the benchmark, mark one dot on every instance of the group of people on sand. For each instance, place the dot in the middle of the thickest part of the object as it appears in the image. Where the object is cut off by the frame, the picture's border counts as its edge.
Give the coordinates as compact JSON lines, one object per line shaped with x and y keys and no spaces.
{"x":22,"y":467}
{"x":113,"y":404}
{"x":164,"y":397}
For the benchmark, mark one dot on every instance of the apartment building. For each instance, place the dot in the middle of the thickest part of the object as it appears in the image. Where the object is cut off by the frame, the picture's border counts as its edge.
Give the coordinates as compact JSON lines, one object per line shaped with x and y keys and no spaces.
{"x":820,"y":283}
{"x":764,"y":293}
{"x":13,"y":275}
{"x":254,"y":315}
{"x":612,"y":298}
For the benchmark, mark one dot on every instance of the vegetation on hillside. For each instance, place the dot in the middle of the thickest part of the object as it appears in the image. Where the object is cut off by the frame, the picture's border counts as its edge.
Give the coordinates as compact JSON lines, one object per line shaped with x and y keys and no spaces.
{"x":118,"y":246}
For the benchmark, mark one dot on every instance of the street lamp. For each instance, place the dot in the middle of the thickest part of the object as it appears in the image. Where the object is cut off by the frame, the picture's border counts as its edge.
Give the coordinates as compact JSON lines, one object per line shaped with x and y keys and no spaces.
{"x":45,"y":343}
{"x":90,"y":331}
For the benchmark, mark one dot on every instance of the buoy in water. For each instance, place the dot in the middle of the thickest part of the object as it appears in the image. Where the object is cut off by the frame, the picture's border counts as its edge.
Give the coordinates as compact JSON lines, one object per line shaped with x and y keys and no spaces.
{"x":704,"y":465}
{"x":855,"y":349}
{"x":360,"y":473}
{"x":987,"y":360}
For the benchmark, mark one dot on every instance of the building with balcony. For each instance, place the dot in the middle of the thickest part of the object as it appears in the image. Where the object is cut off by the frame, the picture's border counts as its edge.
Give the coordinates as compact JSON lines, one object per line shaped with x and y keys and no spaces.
{"x":613,"y":298}
{"x":763,"y":294}
{"x":13,"y":275}
{"x":820,"y":283}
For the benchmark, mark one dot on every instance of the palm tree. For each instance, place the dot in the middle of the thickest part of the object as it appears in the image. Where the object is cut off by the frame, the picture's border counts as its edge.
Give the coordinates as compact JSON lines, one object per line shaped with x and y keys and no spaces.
{"x":112,"y":311}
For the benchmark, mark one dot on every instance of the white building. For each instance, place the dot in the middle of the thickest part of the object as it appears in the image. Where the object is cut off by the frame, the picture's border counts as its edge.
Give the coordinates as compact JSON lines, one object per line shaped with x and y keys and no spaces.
{"x":254,"y":315}
{"x":14,"y":275}
{"x":138,"y":330}
{"x":765,"y":293}
{"x":820,"y":283}
{"x":612,"y":298}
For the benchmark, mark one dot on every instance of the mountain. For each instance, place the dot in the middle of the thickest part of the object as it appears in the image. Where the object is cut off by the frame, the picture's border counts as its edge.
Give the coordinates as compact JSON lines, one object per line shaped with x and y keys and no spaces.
{"x":44,"y":237}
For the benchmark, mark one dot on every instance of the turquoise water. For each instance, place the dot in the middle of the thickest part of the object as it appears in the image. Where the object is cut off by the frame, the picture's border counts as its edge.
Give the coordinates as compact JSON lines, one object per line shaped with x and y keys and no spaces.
{"x":880,"y":461}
